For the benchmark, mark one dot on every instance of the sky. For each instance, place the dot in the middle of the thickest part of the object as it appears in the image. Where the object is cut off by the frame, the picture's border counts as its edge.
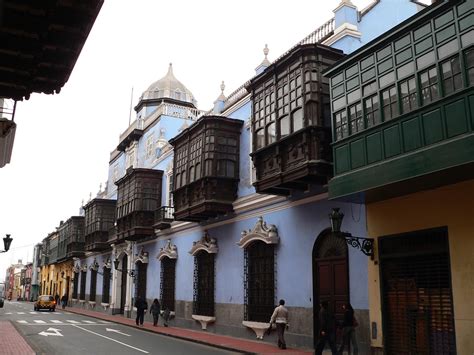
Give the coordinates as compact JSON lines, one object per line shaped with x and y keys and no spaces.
{"x":63,"y":141}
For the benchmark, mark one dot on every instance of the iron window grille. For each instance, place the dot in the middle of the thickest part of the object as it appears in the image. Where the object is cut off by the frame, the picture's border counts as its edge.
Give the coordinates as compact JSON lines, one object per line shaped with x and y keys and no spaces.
{"x":75,"y":286}
{"x":259,"y":281}
{"x":140,"y":288}
{"x":106,"y":285}
{"x":82,"y":295}
{"x":203,"y":285}
{"x":168,"y":279}
{"x":92,"y":292}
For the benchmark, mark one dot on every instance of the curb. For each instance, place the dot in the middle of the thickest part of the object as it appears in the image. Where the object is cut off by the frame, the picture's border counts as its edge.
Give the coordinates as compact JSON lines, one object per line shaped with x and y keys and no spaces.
{"x":224,"y":347}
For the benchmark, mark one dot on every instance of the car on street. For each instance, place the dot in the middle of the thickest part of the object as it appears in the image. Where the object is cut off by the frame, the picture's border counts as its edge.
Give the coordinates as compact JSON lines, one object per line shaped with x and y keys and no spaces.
{"x":45,"y":302}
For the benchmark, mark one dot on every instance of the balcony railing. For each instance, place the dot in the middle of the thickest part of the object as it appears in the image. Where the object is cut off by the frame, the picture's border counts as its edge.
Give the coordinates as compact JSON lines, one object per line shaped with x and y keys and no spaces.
{"x":163,"y":217}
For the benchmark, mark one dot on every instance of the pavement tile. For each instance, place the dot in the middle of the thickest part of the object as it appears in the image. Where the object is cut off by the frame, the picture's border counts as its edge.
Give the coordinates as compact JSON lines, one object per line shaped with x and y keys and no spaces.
{"x":212,"y":339}
{"x":11,"y":342}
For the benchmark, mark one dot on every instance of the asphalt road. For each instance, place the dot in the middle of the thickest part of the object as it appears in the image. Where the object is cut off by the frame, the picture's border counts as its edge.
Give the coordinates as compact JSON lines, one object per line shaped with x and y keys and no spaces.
{"x":62,"y":332}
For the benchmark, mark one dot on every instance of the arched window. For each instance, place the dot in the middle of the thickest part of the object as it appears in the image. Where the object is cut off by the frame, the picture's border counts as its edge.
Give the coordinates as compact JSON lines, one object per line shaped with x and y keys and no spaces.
{"x":204,"y":275}
{"x":106,"y":286}
{"x":271,"y":133}
{"x":298,"y":119}
{"x":82,"y":295}
{"x":75,"y":287}
{"x":140,"y":290}
{"x":92,"y":292}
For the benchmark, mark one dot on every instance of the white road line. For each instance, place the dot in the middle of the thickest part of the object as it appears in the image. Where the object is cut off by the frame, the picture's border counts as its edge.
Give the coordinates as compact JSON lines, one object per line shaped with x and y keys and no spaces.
{"x":20,"y":312}
{"x":9,"y":313}
{"x":56,"y":321}
{"x":103,"y":336}
{"x":33,"y":312}
{"x":73,"y":321}
{"x":39,"y":321}
{"x":89,"y":321}
{"x":105,"y":322}
{"x":23,"y":322}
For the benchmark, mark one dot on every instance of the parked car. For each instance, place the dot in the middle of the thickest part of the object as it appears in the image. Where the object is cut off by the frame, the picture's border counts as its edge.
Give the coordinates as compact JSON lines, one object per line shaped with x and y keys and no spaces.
{"x":45,"y":302}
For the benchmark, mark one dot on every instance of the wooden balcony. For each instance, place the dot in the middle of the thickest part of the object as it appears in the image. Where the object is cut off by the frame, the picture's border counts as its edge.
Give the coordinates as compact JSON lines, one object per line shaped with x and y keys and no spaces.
{"x":71,"y":238}
{"x":138,"y":197}
{"x":99,"y":218}
{"x":164,"y":216}
{"x":414,"y":129}
{"x":206,"y":168}
{"x":291,"y":121}
{"x":75,"y":249}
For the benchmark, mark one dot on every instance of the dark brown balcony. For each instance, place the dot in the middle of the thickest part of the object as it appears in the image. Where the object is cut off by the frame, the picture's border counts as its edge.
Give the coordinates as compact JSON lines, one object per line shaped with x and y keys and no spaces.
{"x":206,"y":168}
{"x":164,"y":217}
{"x":291,"y":121}
{"x":99,"y":218}
{"x":71,"y":238}
{"x":138,"y":197}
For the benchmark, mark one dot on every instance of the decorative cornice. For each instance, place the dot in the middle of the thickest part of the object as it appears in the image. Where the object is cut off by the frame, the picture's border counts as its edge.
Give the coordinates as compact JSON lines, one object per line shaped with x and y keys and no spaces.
{"x":94,"y":266}
{"x":84,"y":267}
{"x":107,"y":264}
{"x":206,"y":243}
{"x":267,"y":234}
{"x":142,"y":257}
{"x":169,"y":250}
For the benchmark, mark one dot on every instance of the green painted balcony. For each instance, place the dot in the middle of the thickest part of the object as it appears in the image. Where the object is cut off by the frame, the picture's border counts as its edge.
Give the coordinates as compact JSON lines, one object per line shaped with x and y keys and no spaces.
{"x":403,"y":108}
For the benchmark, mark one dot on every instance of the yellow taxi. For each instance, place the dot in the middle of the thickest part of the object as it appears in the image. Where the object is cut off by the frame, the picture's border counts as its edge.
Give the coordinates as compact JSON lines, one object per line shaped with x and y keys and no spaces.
{"x":45,"y":302}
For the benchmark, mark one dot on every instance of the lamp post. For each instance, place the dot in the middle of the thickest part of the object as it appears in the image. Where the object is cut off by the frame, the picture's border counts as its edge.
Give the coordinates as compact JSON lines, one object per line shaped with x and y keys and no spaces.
{"x":365,"y":245}
{"x":7,"y":241}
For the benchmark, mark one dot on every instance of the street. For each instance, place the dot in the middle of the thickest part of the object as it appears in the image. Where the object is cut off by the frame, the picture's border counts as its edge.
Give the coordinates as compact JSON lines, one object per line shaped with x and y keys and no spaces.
{"x":62,"y":332}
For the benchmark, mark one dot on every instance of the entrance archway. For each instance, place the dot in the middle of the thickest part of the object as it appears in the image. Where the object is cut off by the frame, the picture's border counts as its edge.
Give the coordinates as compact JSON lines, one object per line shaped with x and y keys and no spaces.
{"x":330,"y":276}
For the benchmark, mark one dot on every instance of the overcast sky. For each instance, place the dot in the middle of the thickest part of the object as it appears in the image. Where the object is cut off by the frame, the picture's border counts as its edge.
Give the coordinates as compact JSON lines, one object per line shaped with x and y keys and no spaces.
{"x":63,"y":141}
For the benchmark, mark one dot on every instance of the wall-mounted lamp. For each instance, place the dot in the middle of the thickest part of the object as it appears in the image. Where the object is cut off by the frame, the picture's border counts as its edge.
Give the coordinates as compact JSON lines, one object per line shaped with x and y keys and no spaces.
{"x":131,"y":272}
{"x":7,"y":241}
{"x":365,"y":245}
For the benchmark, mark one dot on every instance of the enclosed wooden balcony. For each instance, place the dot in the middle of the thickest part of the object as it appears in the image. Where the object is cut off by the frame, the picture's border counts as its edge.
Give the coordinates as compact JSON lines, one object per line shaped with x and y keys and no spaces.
{"x":411,"y":127}
{"x":291,"y":121}
{"x":138,"y":197}
{"x":99,"y":218}
{"x":206,"y":168}
{"x":163,"y":217}
{"x":71,"y":237}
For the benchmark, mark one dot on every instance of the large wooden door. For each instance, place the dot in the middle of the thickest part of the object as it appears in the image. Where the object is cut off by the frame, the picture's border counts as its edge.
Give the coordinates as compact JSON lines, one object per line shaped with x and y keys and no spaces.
{"x":330,"y":277}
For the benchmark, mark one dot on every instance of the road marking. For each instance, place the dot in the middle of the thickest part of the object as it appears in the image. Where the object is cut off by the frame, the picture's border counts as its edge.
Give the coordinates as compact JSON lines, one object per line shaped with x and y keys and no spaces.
{"x":105,"y":322}
{"x":117,"y":331}
{"x":22,"y":321}
{"x":89,"y":321}
{"x":56,"y":321}
{"x":33,"y":312}
{"x":20,"y":312}
{"x":52,"y":331}
{"x":8,"y":313}
{"x":103,"y":336}
{"x":73,"y":321}
{"x":39,"y":321}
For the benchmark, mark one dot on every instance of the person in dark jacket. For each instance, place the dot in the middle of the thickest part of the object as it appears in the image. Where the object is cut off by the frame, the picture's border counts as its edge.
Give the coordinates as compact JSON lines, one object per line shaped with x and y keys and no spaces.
{"x":326,"y":329}
{"x":64,"y":301}
{"x":142,"y":306}
{"x":155,"y":310}
{"x":348,"y":329}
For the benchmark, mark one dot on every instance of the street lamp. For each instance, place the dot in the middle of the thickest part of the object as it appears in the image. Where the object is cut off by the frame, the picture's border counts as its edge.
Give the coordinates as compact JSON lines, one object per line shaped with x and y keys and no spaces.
{"x":7,"y":241}
{"x":365,"y":245}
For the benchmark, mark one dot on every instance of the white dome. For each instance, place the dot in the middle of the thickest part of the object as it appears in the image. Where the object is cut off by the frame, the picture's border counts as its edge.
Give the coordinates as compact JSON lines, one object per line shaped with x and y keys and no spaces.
{"x":170,"y":88}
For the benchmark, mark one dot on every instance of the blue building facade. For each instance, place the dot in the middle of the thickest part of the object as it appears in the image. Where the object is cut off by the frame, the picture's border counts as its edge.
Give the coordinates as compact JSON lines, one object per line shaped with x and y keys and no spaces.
{"x":226,"y":272}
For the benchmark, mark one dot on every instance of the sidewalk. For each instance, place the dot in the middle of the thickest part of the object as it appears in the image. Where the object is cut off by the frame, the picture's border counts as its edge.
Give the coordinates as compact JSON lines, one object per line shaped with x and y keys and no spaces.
{"x":11,"y":342}
{"x":211,"y":339}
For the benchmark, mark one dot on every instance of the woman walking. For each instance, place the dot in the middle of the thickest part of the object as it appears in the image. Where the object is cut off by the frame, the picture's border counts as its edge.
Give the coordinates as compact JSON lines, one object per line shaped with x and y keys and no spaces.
{"x":348,"y":329}
{"x":155,"y":310}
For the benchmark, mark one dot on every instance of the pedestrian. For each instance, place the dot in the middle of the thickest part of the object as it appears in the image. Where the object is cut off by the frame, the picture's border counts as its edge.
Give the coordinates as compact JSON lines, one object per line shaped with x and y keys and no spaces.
{"x":326,"y":329}
{"x":280,"y":318}
{"x":142,"y":306}
{"x":56,"y":299}
{"x":166,"y":316}
{"x":64,"y":301}
{"x":348,"y":329}
{"x":155,"y":310}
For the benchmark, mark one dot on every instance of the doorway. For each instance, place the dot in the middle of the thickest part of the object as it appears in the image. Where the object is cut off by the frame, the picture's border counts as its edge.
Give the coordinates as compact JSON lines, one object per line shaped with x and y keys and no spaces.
{"x":330,"y":277}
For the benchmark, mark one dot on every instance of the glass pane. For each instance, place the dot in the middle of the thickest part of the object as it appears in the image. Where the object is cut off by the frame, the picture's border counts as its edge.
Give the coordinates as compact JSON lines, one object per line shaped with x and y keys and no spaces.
{"x":298,"y":120}
{"x":271,"y":135}
{"x":284,"y":126}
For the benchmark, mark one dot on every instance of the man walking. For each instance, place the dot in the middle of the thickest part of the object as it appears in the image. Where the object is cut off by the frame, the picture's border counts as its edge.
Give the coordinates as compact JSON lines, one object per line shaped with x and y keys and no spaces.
{"x":326,"y":329}
{"x":141,"y":306}
{"x":280,"y":318}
